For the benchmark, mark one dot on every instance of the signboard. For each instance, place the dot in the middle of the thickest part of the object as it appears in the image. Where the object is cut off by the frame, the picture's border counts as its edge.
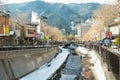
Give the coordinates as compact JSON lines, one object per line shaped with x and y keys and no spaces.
{"x":109,"y":34}
{"x":35,"y":34}
{"x":4,"y":30}
{"x":7,"y":31}
{"x":114,"y":30}
{"x":47,"y":37}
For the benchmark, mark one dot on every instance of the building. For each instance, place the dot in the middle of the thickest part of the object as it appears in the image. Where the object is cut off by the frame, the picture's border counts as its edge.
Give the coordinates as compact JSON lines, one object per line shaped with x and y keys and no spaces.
{"x":4,"y":23}
{"x":115,"y":30}
{"x":4,"y":27}
{"x":24,"y":33}
{"x":82,"y":28}
{"x":115,"y":27}
{"x":13,"y":33}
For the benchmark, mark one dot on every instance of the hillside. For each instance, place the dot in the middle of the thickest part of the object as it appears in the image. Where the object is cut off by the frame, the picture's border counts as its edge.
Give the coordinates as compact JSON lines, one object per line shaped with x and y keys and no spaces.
{"x":59,"y":15}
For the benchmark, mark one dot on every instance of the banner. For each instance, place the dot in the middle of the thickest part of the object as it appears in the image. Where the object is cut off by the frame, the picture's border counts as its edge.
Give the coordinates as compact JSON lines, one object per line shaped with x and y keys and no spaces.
{"x":7,"y":31}
{"x":35,"y":34}
{"x":47,"y":37}
{"x":109,"y":35}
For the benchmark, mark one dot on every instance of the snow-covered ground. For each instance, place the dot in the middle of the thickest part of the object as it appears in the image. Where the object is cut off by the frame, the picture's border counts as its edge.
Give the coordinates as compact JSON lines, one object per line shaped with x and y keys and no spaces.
{"x":97,"y":68}
{"x":47,"y":70}
{"x":68,"y":77}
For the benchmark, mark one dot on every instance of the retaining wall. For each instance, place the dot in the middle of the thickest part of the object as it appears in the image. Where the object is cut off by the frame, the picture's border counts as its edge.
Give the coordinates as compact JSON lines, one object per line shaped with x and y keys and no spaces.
{"x":18,"y":63}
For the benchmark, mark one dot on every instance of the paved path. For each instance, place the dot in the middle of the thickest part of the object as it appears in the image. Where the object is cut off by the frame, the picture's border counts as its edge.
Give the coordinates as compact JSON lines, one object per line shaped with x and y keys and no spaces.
{"x":115,"y":51}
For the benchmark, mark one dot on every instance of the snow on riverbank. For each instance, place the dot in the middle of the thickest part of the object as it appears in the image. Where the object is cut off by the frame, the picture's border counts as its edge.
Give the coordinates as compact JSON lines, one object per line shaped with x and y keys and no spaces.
{"x":97,"y":69}
{"x":47,"y":70}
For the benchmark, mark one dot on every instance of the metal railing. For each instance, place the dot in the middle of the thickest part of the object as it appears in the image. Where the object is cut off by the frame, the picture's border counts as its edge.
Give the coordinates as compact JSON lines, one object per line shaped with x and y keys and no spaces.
{"x":41,"y":44}
{"x":111,"y":58}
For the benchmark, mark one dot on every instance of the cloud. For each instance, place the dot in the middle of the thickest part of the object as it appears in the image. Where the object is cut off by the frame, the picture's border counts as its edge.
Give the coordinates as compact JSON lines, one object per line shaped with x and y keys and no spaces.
{"x":64,"y":1}
{"x":81,"y":1}
{"x":17,"y":1}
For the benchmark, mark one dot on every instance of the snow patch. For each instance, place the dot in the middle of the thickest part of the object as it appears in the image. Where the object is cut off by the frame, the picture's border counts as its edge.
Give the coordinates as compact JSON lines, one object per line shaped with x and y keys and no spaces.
{"x":47,"y":70}
{"x":97,"y":68}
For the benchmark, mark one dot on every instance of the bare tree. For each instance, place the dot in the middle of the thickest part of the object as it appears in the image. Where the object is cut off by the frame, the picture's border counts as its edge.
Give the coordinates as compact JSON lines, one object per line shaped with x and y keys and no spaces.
{"x":102,"y":18}
{"x":23,"y":18}
{"x":118,"y":7}
{"x":51,"y":31}
{"x":106,"y":14}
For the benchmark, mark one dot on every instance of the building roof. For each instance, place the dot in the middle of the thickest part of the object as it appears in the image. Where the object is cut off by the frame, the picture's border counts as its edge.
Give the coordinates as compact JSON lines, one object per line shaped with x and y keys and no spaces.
{"x":115,"y":23}
{"x":4,"y":13}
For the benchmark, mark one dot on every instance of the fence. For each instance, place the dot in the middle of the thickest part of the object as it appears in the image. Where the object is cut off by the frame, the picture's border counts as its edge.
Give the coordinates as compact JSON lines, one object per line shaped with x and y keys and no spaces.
{"x":112,"y":59}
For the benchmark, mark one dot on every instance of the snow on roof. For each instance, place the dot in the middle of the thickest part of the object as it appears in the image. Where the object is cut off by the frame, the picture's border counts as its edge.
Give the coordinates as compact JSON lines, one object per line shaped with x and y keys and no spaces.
{"x":88,"y":21}
{"x":45,"y":72}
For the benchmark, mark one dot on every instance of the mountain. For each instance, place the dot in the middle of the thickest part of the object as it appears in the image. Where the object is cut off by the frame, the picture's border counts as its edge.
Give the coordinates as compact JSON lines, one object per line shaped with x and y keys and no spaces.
{"x":85,"y":9}
{"x":59,"y":15}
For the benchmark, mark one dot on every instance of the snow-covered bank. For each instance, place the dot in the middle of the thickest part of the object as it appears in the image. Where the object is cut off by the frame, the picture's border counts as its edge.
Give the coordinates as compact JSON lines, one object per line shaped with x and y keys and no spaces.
{"x":97,"y":68}
{"x":47,"y":70}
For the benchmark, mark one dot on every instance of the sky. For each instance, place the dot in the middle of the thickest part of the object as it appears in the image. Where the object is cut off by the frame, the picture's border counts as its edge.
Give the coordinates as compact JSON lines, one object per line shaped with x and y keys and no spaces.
{"x":66,"y":1}
{"x":82,"y":1}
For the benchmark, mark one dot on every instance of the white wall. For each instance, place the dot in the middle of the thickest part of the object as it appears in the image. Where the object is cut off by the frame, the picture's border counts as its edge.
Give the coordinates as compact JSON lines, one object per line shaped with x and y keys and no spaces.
{"x":115,"y":30}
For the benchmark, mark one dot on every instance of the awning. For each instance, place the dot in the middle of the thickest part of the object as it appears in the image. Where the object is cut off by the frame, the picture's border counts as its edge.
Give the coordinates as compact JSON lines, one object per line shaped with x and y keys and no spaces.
{"x":11,"y":33}
{"x":2,"y":35}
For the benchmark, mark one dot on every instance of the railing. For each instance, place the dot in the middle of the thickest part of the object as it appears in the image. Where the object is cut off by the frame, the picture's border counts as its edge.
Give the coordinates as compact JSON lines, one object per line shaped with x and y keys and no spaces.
{"x":41,"y":44}
{"x":28,"y":43}
{"x":111,"y":58}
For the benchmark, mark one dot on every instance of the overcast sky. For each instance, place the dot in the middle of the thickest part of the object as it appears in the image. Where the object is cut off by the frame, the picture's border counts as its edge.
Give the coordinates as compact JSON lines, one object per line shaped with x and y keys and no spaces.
{"x":82,"y":1}
{"x":66,"y":1}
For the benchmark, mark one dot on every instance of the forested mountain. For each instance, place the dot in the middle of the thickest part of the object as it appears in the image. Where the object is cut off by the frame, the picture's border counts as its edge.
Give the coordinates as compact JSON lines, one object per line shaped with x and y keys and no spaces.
{"x":59,"y":15}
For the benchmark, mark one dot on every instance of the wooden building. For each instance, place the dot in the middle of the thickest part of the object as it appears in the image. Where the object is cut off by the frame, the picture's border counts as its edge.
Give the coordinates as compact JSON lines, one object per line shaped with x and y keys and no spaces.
{"x":4,"y":27}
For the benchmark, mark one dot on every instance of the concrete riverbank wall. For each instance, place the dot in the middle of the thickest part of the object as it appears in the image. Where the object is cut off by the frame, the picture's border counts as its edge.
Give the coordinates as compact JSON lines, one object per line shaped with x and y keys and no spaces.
{"x":18,"y":63}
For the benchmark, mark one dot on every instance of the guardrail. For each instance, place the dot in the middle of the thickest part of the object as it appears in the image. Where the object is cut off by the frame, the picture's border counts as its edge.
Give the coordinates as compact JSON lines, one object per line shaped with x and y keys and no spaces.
{"x":38,"y":43}
{"x":111,"y":58}
{"x":32,"y":46}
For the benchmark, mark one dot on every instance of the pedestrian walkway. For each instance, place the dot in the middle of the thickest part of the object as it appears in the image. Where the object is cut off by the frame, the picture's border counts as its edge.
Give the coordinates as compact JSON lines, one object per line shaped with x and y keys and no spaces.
{"x":115,"y":51}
